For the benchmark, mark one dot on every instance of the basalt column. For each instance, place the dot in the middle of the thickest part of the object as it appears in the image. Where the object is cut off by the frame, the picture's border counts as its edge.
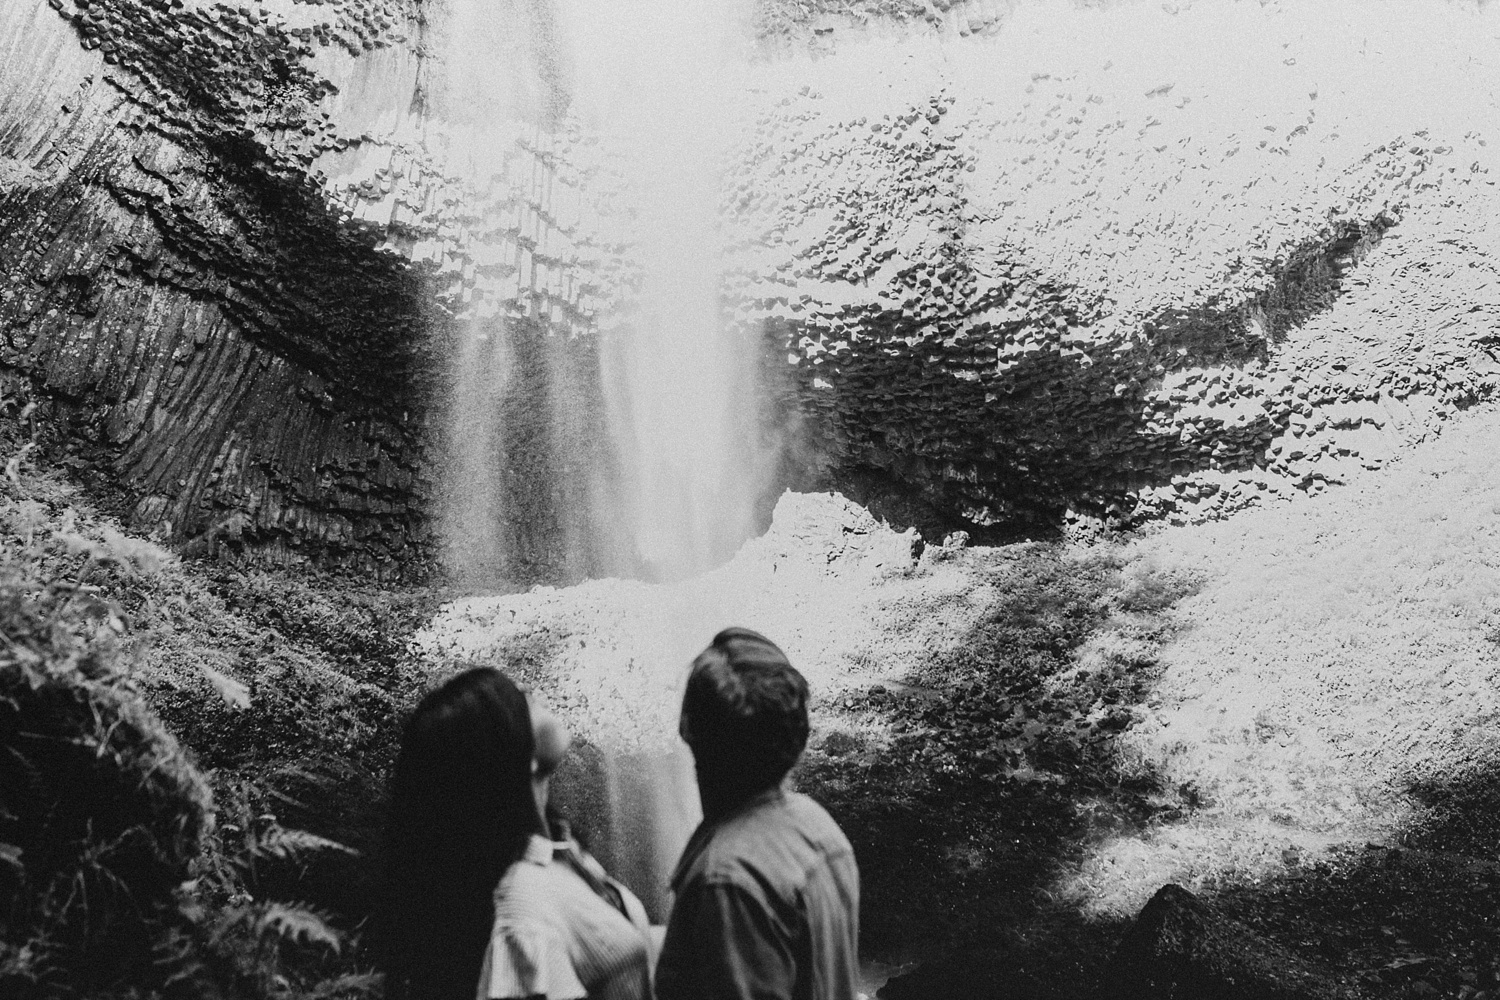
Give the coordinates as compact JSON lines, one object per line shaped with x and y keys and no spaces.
{"x":208,"y":339}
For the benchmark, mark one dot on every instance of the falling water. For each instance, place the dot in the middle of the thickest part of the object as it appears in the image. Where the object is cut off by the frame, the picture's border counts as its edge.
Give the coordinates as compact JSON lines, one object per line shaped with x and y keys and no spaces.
{"x":682,"y":485}
{"x":657,"y":79}
{"x":471,"y":522}
{"x":678,"y":488}
{"x":498,"y":88}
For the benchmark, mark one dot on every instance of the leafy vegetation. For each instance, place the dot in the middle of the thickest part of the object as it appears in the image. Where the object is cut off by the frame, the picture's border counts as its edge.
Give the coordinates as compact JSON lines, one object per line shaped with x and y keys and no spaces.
{"x":102,"y":812}
{"x":162,"y":739}
{"x":967,"y":787}
{"x":116,"y":876}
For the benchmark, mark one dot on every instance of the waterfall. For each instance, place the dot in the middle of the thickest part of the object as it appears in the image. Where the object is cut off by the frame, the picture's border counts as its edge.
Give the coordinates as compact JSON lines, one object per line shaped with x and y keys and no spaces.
{"x":679,"y":480}
{"x":656,"y":80}
{"x":659,"y":471}
{"x":472,"y":525}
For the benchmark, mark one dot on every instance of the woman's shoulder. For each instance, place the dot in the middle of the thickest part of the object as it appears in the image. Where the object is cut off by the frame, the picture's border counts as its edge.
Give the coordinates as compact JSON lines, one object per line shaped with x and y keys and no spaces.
{"x":528,"y":958}
{"x":528,"y":893}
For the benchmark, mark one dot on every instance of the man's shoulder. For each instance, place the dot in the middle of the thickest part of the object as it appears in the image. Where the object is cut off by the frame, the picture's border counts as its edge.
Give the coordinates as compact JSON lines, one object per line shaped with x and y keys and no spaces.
{"x":811,"y":819}
{"x":789,"y":816}
{"x":775,"y":844}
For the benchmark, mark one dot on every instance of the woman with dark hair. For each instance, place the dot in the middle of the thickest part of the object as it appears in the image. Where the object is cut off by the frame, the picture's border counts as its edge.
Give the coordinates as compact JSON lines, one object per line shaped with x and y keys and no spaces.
{"x":481,"y":903}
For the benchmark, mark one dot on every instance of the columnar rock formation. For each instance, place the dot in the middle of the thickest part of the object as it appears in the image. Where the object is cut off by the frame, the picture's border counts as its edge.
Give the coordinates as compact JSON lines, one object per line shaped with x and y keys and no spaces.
{"x":178,"y":295}
{"x":233,"y":266}
{"x":1142,"y":261}
{"x":1137,"y":261}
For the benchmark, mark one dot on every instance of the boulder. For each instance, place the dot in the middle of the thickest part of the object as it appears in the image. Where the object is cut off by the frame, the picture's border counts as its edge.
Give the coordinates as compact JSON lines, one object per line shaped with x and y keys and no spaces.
{"x":1179,"y":948}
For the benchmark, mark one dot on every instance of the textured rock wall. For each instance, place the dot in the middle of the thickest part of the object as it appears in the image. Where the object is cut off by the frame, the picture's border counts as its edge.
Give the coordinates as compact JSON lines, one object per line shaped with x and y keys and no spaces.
{"x":176,"y":293}
{"x":245,"y":246}
{"x":1083,"y":262}
{"x":238,"y":250}
{"x":1095,"y":263}
{"x":1080,"y":263}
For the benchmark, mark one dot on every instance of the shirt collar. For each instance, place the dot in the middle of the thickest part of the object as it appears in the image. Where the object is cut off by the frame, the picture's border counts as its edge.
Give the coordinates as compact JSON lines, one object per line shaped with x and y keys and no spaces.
{"x":538,"y":850}
{"x":705,"y":832}
{"x":775,"y":793}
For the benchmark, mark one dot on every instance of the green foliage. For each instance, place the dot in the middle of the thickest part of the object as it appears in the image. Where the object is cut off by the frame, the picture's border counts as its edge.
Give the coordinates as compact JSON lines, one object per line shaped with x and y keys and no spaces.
{"x":101,"y":811}
{"x":294,"y":684}
{"x":260,"y":947}
{"x":121,"y":874}
{"x":968,"y":785}
{"x":242,"y":940}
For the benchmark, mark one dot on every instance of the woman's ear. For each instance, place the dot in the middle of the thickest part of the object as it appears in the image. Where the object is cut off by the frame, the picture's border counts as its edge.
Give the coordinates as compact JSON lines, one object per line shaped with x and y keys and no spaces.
{"x":551,"y":741}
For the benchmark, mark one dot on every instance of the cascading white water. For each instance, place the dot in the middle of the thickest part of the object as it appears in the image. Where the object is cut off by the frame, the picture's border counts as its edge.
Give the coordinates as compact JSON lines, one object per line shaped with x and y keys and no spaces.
{"x":651,"y":84}
{"x":471,"y":525}
{"x":656,"y":80}
{"x":495,"y":85}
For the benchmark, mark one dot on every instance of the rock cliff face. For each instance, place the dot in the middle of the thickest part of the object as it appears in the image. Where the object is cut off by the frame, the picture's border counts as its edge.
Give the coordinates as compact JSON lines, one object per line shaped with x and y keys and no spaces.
{"x":1137,"y":261}
{"x":242,"y":243}
{"x":198,"y":325}
{"x":244,"y":246}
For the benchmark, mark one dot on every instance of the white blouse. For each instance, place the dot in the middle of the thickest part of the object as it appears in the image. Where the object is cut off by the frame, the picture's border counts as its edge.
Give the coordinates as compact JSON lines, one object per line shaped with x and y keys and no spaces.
{"x":555,"y":937}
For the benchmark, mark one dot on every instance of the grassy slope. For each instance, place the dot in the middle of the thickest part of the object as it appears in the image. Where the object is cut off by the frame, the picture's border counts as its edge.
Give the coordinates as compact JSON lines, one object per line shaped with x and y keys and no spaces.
{"x":971,"y":786}
{"x":1343,"y":654}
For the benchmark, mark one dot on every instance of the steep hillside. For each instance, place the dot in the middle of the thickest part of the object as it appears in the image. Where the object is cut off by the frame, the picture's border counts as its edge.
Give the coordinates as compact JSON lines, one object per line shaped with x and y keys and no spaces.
{"x":1339,"y":662}
{"x":194,"y":763}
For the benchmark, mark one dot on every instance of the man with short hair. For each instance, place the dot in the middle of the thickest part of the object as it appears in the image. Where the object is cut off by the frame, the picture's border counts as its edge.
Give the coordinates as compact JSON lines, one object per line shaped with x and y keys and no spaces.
{"x":767,"y":893}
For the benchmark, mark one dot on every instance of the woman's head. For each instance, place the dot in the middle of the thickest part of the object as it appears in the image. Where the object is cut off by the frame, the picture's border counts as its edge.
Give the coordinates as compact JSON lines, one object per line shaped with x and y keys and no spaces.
{"x":462,"y":808}
{"x":550,"y":740}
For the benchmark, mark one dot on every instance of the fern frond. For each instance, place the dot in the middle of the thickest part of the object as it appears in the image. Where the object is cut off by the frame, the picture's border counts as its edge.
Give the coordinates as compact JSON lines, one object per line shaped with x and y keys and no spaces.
{"x":287,"y":845}
{"x":349,"y":986}
{"x":298,"y":925}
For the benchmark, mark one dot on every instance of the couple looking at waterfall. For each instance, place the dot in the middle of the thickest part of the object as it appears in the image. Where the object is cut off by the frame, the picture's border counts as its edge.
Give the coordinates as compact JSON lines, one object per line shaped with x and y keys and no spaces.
{"x":490,"y":898}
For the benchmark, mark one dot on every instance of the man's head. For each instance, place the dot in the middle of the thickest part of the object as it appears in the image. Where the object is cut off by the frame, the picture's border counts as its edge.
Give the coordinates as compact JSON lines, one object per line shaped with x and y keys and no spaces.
{"x":744,"y":715}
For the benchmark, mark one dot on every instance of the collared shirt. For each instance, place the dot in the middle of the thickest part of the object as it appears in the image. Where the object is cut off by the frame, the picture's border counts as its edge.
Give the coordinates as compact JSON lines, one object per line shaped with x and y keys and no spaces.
{"x":766,"y":906}
{"x":556,"y":937}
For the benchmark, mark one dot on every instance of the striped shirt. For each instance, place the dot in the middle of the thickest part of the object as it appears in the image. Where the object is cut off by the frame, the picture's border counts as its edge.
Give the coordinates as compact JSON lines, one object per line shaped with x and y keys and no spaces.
{"x":556,"y":937}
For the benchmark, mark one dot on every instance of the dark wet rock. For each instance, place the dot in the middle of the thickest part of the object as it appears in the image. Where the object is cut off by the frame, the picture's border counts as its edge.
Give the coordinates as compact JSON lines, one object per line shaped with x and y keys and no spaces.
{"x":1179,"y":948}
{"x":205,"y":340}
